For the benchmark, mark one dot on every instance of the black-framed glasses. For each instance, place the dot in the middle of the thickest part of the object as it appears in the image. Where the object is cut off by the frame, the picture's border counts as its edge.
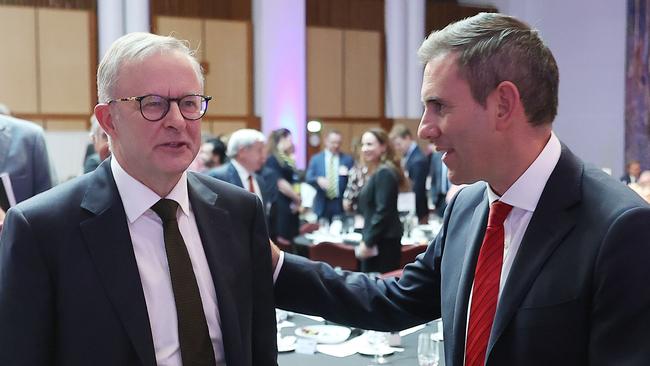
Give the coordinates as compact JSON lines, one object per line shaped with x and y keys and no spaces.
{"x":155,"y":107}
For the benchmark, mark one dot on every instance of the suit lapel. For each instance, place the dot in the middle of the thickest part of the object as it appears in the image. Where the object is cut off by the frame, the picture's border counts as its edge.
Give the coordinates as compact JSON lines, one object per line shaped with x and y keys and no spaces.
{"x":476,"y":232}
{"x":108,"y":240}
{"x":551,"y":221}
{"x":214,"y":227}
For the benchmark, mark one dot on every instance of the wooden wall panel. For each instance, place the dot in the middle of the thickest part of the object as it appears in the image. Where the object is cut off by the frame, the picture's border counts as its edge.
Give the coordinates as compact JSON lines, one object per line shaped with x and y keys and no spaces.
{"x":227,"y":53}
{"x":225,"y":127}
{"x":66,"y":125}
{"x":18,"y":64}
{"x":363,"y":87}
{"x":440,"y":13}
{"x":65,"y":61}
{"x":209,"y":9}
{"x":346,"y":14}
{"x":64,"y":4}
{"x":324,"y":72}
{"x":183,"y":28}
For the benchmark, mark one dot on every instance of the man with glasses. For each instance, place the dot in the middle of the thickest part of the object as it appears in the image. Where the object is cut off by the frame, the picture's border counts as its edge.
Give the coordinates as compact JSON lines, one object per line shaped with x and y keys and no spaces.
{"x":140,"y":262}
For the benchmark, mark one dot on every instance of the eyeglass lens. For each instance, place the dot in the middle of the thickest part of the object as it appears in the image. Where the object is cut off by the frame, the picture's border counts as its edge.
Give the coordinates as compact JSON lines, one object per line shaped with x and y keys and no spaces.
{"x":155,"y":107}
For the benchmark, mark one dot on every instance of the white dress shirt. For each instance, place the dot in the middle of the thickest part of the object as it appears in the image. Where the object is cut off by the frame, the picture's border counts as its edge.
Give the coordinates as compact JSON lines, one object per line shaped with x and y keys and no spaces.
{"x":523,"y":195}
{"x":145,"y":228}
{"x":243,"y":176}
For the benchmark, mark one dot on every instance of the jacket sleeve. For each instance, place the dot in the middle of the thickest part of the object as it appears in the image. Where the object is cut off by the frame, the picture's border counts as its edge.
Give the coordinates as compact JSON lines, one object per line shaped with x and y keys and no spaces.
{"x":26,"y":296}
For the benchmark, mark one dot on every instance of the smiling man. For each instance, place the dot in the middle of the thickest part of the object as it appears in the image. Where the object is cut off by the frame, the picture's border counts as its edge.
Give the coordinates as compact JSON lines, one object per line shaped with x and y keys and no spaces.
{"x":541,"y":260}
{"x":140,"y":262}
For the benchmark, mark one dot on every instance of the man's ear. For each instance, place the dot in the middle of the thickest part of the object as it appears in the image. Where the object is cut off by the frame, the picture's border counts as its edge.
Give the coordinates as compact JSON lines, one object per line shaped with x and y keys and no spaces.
{"x":105,"y":118}
{"x":508,"y":102}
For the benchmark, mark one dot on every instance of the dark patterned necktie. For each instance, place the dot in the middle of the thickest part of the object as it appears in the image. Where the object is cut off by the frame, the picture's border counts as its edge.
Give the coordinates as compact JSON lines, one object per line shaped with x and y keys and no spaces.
{"x":193,"y":335}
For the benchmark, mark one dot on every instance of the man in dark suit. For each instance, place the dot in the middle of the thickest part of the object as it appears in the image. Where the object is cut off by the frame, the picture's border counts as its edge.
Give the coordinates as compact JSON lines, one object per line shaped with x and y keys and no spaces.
{"x":328,"y":172}
{"x":439,"y":182}
{"x":23,"y":155}
{"x":416,"y":165}
{"x":560,"y":274}
{"x":632,"y":172}
{"x":246,"y":153}
{"x":140,"y":262}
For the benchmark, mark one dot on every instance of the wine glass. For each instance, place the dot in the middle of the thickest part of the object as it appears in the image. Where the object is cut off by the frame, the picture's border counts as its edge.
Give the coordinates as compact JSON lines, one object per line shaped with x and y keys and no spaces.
{"x":378,"y":341}
{"x":428,"y":349}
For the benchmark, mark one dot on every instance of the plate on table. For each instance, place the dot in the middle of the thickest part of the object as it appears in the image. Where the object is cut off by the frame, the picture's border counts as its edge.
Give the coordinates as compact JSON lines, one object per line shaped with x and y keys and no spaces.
{"x":371,"y":350}
{"x":286,"y":344}
{"x":327,"y":334}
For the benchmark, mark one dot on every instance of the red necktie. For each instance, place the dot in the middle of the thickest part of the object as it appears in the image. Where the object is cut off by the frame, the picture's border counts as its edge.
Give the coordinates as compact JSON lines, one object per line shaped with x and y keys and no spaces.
{"x":486,"y":286}
{"x":251,"y":187}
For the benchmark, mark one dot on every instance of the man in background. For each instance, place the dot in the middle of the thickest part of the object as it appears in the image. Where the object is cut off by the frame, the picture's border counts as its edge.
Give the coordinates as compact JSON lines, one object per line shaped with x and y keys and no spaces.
{"x":212,"y":153}
{"x":140,"y":262}
{"x":24,"y":157}
{"x":632,"y":172}
{"x":246,"y":153}
{"x":99,"y":141}
{"x":328,"y":172}
{"x":439,"y":182}
{"x":416,"y":166}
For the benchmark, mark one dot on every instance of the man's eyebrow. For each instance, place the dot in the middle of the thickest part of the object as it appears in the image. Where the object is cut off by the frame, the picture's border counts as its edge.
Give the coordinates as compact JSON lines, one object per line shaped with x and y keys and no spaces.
{"x":433,"y":99}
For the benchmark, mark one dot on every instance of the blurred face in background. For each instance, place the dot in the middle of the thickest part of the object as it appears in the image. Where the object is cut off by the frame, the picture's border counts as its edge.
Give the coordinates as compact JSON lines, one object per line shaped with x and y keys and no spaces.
{"x":371,"y":149}
{"x":252,"y":157}
{"x":285,"y":145}
{"x":401,"y":144}
{"x":333,"y":143}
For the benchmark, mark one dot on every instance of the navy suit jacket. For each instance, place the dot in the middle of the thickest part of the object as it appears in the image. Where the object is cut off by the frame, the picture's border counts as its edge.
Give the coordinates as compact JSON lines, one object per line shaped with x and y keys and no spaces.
{"x":317,"y":169}
{"x":228,"y":173}
{"x":577,"y":292}
{"x":70,"y":290}
{"x":23,"y":155}
{"x":418,"y":168}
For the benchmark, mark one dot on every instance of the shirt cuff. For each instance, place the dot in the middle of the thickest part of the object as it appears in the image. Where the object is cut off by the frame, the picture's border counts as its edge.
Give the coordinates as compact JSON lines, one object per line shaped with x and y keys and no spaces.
{"x":278,"y":267}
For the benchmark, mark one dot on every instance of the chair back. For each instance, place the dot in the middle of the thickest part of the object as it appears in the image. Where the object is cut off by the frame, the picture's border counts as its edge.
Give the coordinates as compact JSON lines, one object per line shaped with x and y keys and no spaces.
{"x":335,"y":254}
{"x":409,"y":252}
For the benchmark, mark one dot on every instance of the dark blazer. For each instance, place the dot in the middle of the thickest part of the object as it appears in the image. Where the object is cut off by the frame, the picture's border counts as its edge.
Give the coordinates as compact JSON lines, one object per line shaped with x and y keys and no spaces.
{"x":438,"y":196}
{"x":625,"y":178}
{"x":577,"y":292}
{"x":317,"y":169}
{"x":70,"y":290}
{"x":23,"y":155}
{"x":417,"y":166}
{"x":382,"y":226}
{"x":228,"y":173}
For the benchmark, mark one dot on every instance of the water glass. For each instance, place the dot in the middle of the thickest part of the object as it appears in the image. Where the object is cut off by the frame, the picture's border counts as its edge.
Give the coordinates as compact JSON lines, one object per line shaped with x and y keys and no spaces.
{"x":428,"y":349}
{"x":379,"y":342}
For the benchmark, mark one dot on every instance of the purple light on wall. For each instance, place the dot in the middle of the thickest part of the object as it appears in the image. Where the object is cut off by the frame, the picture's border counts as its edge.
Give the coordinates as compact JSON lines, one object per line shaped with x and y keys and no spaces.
{"x":280,"y":58}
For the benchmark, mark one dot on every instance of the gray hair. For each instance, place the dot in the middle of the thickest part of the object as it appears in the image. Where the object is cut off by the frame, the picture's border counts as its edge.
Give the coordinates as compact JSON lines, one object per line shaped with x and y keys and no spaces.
{"x":136,"y":47}
{"x":243,"y":138}
{"x":492,"y":48}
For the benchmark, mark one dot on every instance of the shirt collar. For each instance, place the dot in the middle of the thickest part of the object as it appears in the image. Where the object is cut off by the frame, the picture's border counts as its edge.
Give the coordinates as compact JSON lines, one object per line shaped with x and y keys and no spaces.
{"x":138,"y":198}
{"x":240,"y":169}
{"x":527,"y":189}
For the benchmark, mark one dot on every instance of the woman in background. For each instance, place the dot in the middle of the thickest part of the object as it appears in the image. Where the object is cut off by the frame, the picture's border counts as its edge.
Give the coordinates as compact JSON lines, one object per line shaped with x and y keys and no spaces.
{"x":282,"y":169}
{"x":381,"y":246}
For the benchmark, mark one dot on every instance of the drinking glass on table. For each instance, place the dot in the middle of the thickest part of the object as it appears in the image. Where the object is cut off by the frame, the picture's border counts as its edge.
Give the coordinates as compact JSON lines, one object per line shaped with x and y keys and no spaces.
{"x":428,"y":349}
{"x":378,"y":341}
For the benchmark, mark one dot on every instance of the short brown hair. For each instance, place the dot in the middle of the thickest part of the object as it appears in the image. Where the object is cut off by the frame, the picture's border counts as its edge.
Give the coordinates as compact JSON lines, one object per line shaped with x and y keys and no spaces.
{"x":492,"y":48}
